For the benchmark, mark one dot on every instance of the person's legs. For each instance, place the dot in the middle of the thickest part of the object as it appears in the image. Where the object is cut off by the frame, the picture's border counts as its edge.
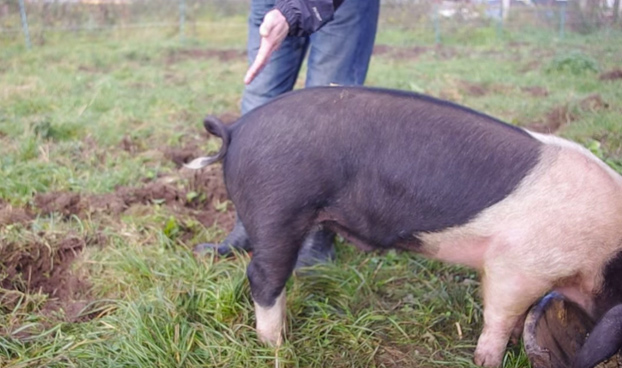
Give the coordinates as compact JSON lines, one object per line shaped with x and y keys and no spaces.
{"x":279,"y":75}
{"x":340,"y":51}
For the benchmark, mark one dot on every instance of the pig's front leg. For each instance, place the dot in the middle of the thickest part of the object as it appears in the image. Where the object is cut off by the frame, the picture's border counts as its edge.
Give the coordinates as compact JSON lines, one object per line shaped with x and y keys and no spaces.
{"x":507,"y":297}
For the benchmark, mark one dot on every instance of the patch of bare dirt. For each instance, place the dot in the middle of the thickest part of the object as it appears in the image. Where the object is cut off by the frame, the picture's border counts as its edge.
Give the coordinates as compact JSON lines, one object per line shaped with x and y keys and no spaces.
{"x":38,"y":277}
{"x":380,"y":49}
{"x":559,"y":116}
{"x":400,"y":53}
{"x":43,"y":266}
{"x":611,"y":75}
{"x":91,"y":69}
{"x":536,"y":91}
{"x":446,"y":52}
{"x":37,"y":268}
{"x":64,"y":203}
{"x":10,"y":215}
{"x":193,"y":145}
{"x":410,"y":53}
{"x":457,"y":89}
{"x":593,"y":102}
{"x":229,"y":117}
{"x":532,"y":65}
{"x":41,"y":270}
{"x":517,"y":44}
{"x":195,"y":193}
{"x":220,"y":54}
{"x":200,"y":194}
{"x":128,"y":144}
{"x":390,"y":356}
{"x":181,"y":156}
{"x":473,"y":89}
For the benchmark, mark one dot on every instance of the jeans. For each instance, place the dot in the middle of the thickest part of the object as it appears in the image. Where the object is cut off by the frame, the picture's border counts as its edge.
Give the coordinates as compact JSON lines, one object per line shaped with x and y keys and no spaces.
{"x":339,"y":52}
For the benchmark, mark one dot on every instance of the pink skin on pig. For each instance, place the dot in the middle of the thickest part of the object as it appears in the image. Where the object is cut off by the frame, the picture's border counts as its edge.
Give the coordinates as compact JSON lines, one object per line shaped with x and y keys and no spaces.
{"x":556,"y":231}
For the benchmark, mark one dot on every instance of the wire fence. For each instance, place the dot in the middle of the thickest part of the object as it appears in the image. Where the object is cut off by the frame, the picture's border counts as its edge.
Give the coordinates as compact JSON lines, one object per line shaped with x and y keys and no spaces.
{"x":32,"y":20}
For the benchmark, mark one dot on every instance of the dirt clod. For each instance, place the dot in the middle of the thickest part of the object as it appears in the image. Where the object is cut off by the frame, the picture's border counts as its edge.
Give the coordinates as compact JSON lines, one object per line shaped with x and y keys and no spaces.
{"x":220,"y":54}
{"x":10,"y":215}
{"x":400,"y":53}
{"x":593,"y":102}
{"x":611,"y":75}
{"x":181,"y":156}
{"x":559,"y":116}
{"x":229,"y":117}
{"x":128,"y":144}
{"x":40,"y":267}
{"x":536,"y":91}
{"x":65,"y":203}
{"x":473,"y":89}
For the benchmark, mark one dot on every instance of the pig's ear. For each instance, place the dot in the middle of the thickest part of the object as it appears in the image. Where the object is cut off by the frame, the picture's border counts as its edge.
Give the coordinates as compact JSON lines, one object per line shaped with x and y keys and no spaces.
{"x":604,"y":341}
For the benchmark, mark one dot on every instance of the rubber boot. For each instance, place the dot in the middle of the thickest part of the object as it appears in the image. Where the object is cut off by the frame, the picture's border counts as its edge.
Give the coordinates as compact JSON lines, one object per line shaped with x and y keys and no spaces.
{"x":236,"y":240}
{"x":318,"y":247}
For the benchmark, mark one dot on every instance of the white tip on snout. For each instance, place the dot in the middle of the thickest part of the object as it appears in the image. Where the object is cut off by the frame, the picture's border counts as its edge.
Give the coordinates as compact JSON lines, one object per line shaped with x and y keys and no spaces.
{"x":198,"y":163}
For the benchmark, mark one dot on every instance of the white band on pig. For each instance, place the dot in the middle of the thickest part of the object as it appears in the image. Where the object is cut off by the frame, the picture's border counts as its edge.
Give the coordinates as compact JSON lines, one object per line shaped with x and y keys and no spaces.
{"x":271,"y":321}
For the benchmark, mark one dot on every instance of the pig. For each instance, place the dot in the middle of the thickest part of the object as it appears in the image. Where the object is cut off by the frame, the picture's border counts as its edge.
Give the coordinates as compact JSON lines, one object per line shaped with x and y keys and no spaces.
{"x":604,"y":341}
{"x":391,"y":169}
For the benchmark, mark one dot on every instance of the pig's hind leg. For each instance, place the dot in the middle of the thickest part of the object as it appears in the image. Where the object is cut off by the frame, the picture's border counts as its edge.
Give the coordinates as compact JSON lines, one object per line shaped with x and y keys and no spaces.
{"x":275,"y":249}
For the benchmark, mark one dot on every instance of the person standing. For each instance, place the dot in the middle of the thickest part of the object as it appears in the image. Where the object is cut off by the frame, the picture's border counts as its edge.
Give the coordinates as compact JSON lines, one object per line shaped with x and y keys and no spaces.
{"x":338,"y":37}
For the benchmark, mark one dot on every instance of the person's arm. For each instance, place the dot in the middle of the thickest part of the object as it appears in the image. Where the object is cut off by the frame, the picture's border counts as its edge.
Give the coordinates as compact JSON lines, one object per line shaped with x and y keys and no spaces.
{"x":293,"y":17}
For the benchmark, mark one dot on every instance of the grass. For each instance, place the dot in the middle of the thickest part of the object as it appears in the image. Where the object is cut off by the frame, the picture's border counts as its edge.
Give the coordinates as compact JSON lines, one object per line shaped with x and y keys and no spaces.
{"x":89,"y":114}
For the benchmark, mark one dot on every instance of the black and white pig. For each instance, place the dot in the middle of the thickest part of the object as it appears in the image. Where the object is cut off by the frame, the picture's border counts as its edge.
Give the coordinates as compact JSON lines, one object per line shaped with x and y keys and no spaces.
{"x":390,"y":169}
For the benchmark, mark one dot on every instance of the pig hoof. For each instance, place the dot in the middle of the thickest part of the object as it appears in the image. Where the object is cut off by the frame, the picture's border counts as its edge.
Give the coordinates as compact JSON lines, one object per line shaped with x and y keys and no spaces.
{"x":487,"y":359}
{"x":270,"y":338}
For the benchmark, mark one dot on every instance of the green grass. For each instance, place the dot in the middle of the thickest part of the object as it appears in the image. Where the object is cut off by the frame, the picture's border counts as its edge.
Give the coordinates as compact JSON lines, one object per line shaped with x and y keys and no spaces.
{"x":68,"y":105}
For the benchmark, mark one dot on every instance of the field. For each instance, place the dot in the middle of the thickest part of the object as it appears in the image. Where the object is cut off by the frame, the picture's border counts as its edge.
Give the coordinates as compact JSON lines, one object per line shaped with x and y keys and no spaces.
{"x":98,"y":218}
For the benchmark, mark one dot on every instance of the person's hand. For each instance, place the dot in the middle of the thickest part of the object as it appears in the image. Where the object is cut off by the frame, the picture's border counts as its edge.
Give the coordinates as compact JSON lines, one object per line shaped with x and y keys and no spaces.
{"x":273,"y":31}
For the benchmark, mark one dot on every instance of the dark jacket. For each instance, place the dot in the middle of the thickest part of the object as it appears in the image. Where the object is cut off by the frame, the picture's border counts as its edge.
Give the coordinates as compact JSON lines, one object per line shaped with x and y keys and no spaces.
{"x":307,"y":16}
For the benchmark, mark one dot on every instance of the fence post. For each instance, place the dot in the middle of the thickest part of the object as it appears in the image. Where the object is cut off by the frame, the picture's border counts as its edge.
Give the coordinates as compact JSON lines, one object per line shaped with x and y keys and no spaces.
{"x":437,"y":27}
{"x":500,"y":23}
{"x":22,"y":12}
{"x":562,"y":18}
{"x":182,"y":19}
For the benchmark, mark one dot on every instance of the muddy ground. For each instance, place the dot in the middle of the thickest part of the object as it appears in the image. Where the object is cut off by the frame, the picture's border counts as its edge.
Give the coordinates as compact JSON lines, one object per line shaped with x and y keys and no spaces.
{"x":559,"y":116}
{"x":224,"y":55}
{"x":42,"y":266}
{"x":611,"y":75}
